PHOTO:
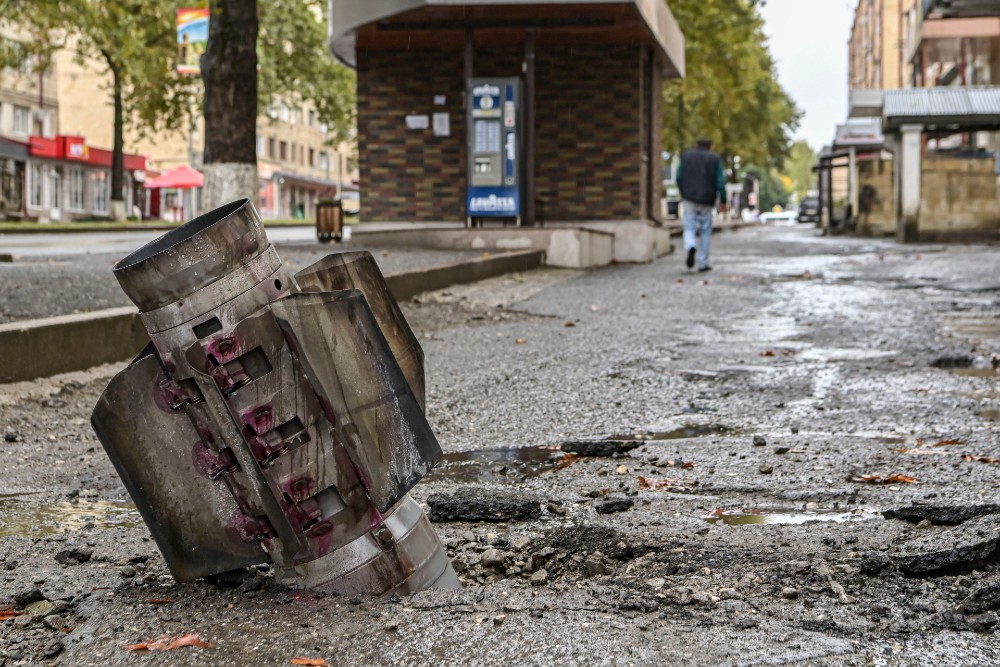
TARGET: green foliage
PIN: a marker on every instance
(772, 191)
(730, 93)
(798, 167)
(296, 65)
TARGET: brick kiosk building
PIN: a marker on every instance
(591, 74)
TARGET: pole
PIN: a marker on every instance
(529, 127)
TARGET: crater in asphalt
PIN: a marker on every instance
(744, 517)
(22, 518)
(509, 465)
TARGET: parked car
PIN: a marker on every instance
(777, 217)
(809, 210)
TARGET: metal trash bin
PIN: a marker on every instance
(329, 221)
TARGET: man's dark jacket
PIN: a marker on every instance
(700, 177)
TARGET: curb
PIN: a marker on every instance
(33, 349)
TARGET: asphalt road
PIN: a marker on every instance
(771, 396)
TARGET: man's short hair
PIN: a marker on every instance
(705, 144)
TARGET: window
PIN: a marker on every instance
(22, 119)
(36, 184)
(76, 192)
(312, 118)
(55, 188)
(99, 181)
(283, 112)
(283, 150)
(324, 160)
(260, 145)
(11, 185)
(270, 147)
(312, 157)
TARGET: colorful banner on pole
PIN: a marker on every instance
(192, 37)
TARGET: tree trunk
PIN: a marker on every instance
(117, 205)
(229, 71)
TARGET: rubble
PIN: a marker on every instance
(475, 505)
(964, 547)
(941, 515)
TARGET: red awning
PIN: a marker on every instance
(181, 177)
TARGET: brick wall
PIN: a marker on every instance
(589, 162)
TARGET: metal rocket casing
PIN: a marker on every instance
(271, 418)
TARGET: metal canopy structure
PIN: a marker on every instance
(441, 24)
(965, 108)
(860, 134)
(947, 9)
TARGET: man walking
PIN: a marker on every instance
(702, 181)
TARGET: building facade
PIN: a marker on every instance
(875, 49)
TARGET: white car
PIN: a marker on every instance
(787, 216)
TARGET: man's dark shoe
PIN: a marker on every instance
(690, 258)
(704, 268)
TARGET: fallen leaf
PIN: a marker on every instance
(165, 643)
(896, 478)
(787, 353)
(945, 443)
(767, 353)
(622, 470)
(687, 465)
(679, 280)
(310, 662)
(981, 459)
(569, 323)
(520, 341)
(904, 450)
(7, 612)
(703, 283)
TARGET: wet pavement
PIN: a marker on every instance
(71, 273)
(774, 409)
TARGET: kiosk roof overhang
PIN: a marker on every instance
(441, 24)
(962, 108)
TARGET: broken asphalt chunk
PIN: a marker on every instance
(600, 447)
(472, 504)
(963, 547)
(941, 515)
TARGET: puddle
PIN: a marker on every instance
(20, 518)
(684, 432)
(510, 465)
(745, 517)
(977, 372)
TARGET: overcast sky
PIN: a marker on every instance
(808, 39)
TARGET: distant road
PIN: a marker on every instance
(60, 245)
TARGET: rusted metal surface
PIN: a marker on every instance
(270, 420)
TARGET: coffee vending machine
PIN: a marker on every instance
(493, 122)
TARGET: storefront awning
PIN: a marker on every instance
(13, 150)
(966, 108)
(181, 178)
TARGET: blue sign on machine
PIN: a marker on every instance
(494, 148)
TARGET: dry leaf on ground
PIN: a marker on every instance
(945, 443)
(650, 484)
(981, 459)
(888, 479)
(310, 662)
(166, 643)
(7, 612)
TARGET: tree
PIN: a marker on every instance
(133, 39)
(730, 92)
(295, 66)
(136, 40)
(798, 167)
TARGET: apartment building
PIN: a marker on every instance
(876, 54)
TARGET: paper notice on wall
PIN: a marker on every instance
(417, 122)
(442, 125)
(439, 100)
